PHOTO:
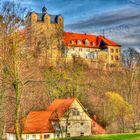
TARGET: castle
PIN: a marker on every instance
(88, 47)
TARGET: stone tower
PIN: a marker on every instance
(46, 33)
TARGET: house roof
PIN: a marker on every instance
(59, 107)
(97, 128)
(40, 121)
(94, 41)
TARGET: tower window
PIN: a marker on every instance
(117, 50)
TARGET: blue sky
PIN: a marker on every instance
(118, 20)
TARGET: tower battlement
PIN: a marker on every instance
(45, 17)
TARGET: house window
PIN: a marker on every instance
(112, 50)
(76, 113)
(27, 137)
(34, 137)
(68, 134)
(46, 136)
(82, 133)
(73, 49)
(82, 123)
(68, 124)
(58, 135)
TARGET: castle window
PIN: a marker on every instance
(34, 137)
(92, 43)
(27, 137)
(112, 57)
(117, 50)
(79, 42)
(71, 42)
(86, 42)
(73, 49)
(117, 58)
(88, 50)
(95, 55)
(80, 49)
(112, 50)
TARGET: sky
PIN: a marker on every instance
(118, 20)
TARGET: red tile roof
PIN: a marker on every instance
(97, 40)
(59, 107)
(97, 128)
(40, 122)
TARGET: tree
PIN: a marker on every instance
(11, 61)
(117, 109)
(131, 69)
(63, 81)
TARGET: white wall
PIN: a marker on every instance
(10, 136)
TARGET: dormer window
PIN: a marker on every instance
(86, 42)
(71, 42)
(92, 43)
(79, 42)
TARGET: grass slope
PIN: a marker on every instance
(106, 137)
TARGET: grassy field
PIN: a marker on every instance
(107, 137)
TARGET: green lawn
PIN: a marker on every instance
(107, 137)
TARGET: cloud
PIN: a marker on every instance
(121, 25)
(109, 18)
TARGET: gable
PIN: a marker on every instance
(76, 106)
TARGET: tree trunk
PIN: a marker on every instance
(17, 113)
